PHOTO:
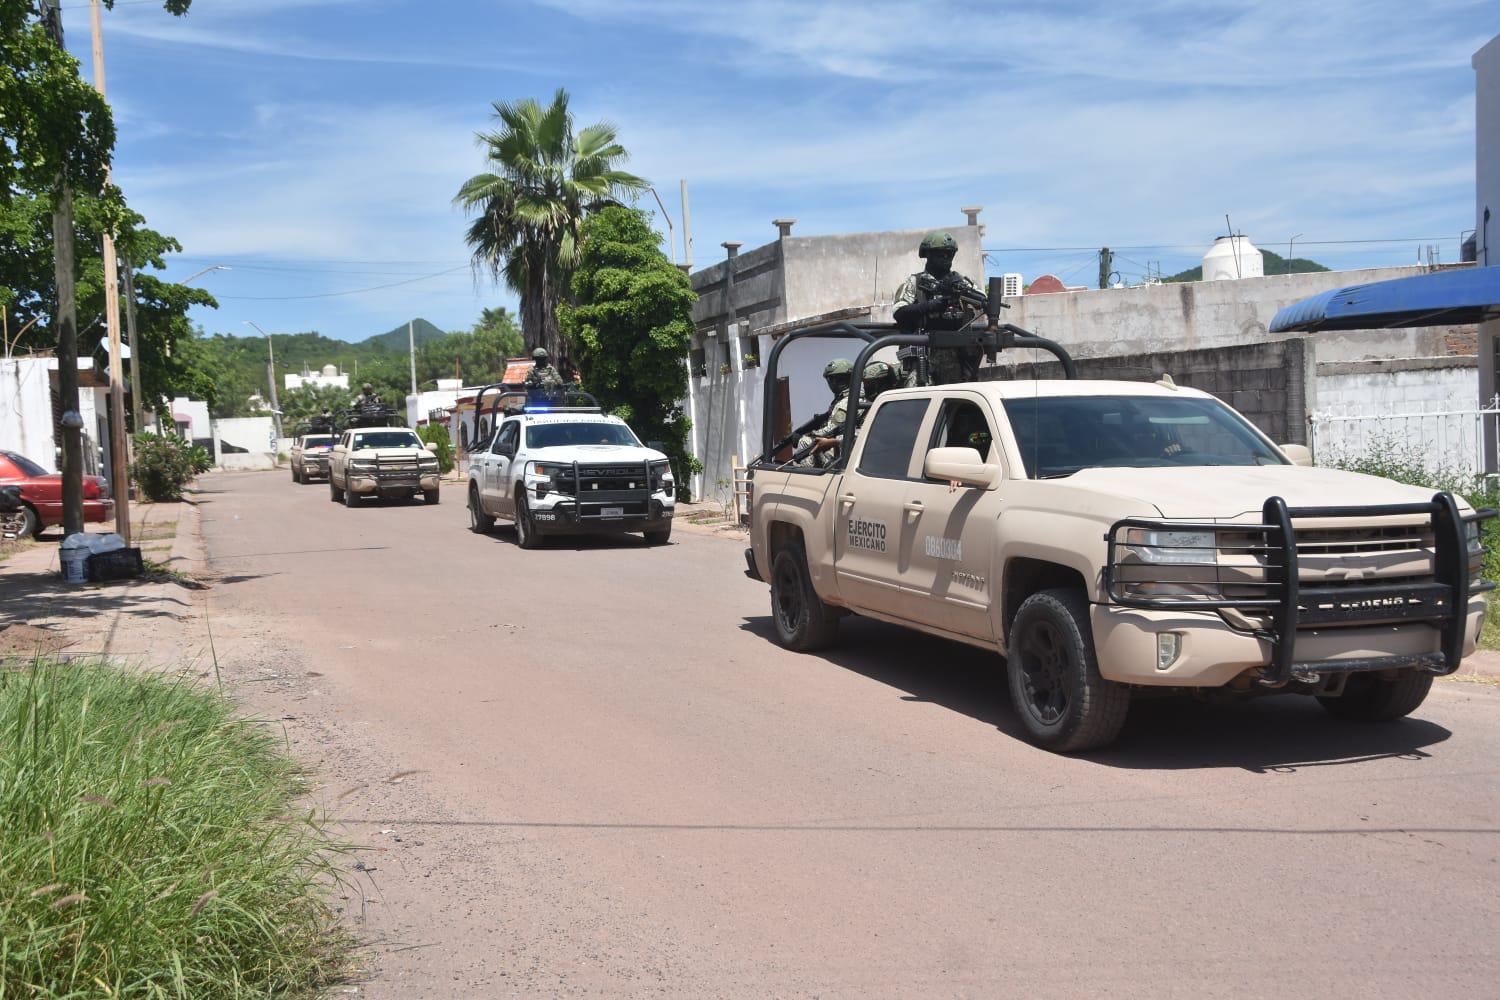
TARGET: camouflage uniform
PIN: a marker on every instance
(943, 366)
(544, 382)
(837, 373)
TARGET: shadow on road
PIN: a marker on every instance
(1276, 734)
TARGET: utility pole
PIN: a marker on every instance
(687, 233)
(118, 457)
(136, 401)
(1106, 265)
(270, 377)
(411, 350)
(67, 326)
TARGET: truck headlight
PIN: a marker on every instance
(1471, 532)
(1173, 547)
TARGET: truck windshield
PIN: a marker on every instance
(387, 439)
(1061, 435)
(317, 441)
(562, 435)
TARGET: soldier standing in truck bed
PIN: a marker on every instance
(543, 383)
(927, 301)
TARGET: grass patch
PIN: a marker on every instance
(152, 845)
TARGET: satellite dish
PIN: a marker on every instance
(124, 348)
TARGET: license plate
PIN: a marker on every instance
(612, 512)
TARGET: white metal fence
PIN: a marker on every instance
(1451, 442)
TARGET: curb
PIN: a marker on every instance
(1482, 663)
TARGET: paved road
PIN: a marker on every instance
(620, 784)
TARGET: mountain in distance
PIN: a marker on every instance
(1274, 264)
(395, 340)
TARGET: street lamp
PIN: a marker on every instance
(671, 233)
(211, 267)
(1291, 245)
(270, 376)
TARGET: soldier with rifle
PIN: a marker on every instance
(813, 446)
(937, 298)
(543, 383)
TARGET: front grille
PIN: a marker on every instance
(611, 480)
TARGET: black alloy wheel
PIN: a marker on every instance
(803, 622)
(1063, 702)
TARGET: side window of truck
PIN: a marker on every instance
(505, 441)
(962, 423)
(891, 437)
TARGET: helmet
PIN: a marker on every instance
(367, 388)
(539, 355)
(877, 371)
(837, 373)
(937, 241)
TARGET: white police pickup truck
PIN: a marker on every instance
(570, 470)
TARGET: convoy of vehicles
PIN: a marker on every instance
(554, 470)
(1112, 539)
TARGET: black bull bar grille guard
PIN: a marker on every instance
(1287, 603)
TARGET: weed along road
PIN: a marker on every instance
(589, 768)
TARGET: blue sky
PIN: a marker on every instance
(314, 146)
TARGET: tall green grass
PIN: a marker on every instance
(151, 845)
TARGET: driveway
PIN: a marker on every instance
(589, 769)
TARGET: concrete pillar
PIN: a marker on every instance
(783, 227)
(973, 213)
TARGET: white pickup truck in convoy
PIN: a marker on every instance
(556, 470)
(1113, 538)
(382, 462)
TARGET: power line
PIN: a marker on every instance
(329, 295)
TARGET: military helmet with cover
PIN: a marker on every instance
(837, 372)
(877, 372)
(939, 241)
(540, 355)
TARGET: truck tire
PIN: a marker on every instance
(351, 500)
(479, 522)
(296, 476)
(1063, 702)
(1368, 698)
(430, 497)
(334, 493)
(526, 533)
(803, 622)
(659, 537)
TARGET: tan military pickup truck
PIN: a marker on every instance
(382, 462)
(1110, 538)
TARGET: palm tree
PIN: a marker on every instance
(542, 182)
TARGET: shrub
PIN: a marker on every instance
(164, 464)
(437, 434)
(1392, 458)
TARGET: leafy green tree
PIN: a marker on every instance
(305, 402)
(542, 182)
(633, 325)
(28, 279)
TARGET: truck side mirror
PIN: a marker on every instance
(1298, 453)
(430, 446)
(963, 465)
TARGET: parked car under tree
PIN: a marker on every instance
(41, 492)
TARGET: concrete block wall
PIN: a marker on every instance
(1354, 389)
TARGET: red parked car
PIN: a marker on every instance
(42, 492)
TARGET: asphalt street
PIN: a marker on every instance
(590, 769)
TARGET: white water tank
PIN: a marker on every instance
(330, 370)
(1233, 257)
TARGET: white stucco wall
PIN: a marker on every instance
(256, 434)
(1382, 393)
(26, 410)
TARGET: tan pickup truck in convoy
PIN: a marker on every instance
(1110, 538)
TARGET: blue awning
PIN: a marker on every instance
(1440, 298)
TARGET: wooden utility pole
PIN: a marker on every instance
(136, 400)
(67, 328)
(119, 473)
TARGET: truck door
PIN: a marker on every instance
(951, 533)
(497, 462)
(869, 557)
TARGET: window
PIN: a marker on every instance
(25, 465)
(962, 423)
(579, 432)
(698, 361)
(891, 438)
(505, 441)
(386, 439)
(317, 441)
(1061, 435)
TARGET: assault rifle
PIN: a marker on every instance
(797, 456)
(952, 286)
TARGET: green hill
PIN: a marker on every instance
(395, 340)
(1275, 264)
